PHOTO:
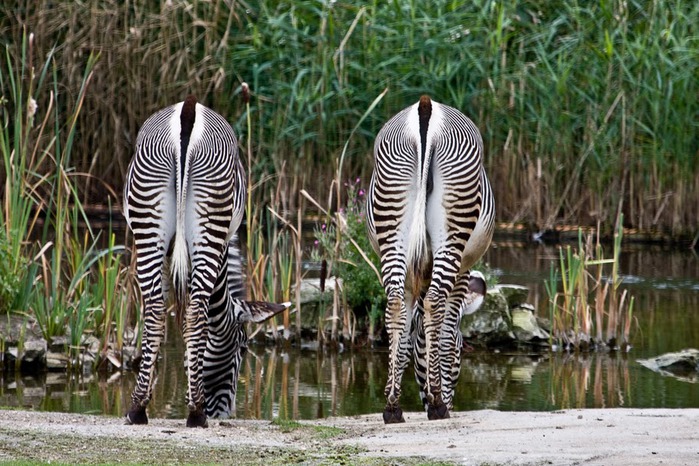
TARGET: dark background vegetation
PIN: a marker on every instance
(587, 109)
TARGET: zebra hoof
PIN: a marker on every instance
(137, 416)
(393, 415)
(197, 419)
(437, 411)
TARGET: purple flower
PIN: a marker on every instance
(361, 193)
(357, 180)
(315, 243)
(323, 227)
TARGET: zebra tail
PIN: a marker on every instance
(180, 252)
(417, 243)
(417, 236)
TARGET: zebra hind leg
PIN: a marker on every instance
(434, 316)
(450, 340)
(399, 347)
(195, 331)
(417, 333)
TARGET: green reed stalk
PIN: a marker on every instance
(598, 91)
(110, 295)
(574, 314)
(248, 208)
(551, 287)
(18, 79)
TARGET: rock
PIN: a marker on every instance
(33, 355)
(56, 361)
(92, 344)
(130, 358)
(87, 362)
(515, 295)
(114, 359)
(310, 289)
(130, 336)
(492, 323)
(526, 326)
(58, 344)
(11, 354)
(683, 365)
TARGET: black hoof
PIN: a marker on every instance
(137, 416)
(437, 411)
(393, 415)
(197, 419)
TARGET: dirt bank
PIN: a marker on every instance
(590, 437)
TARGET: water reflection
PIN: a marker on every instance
(598, 381)
(307, 385)
(304, 384)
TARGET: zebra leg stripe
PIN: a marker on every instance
(450, 340)
(430, 214)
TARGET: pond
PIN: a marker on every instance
(306, 384)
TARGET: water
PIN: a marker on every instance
(304, 384)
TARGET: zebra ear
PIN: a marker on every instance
(259, 311)
(476, 284)
(476, 296)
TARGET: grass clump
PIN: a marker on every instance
(10, 279)
(343, 245)
(591, 311)
(322, 432)
(50, 254)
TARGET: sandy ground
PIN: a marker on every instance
(573, 437)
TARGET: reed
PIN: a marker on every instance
(591, 310)
(586, 109)
(49, 248)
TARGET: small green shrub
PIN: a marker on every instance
(10, 282)
(360, 283)
(362, 288)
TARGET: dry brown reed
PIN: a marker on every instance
(583, 114)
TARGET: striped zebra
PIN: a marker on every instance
(227, 339)
(183, 200)
(450, 339)
(430, 215)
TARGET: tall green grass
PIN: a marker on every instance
(591, 310)
(587, 109)
(64, 278)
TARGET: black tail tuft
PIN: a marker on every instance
(187, 115)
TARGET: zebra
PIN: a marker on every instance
(450, 339)
(227, 338)
(430, 216)
(184, 200)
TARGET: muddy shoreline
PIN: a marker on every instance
(590, 437)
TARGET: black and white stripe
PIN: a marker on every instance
(184, 199)
(462, 301)
(227, 342)
(430, 217)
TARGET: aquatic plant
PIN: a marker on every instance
(50, 251)
(591, 310)
(344, 246)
